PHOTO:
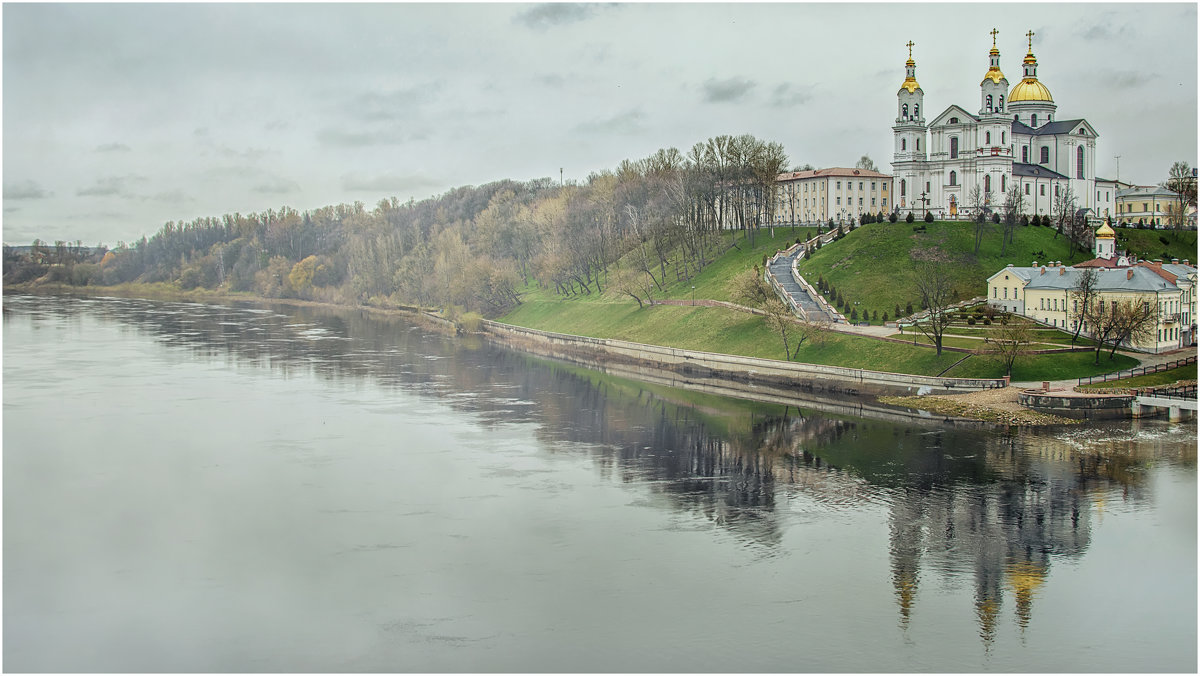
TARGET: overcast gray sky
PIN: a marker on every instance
(118, 118)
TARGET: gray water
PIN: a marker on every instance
(201, 488)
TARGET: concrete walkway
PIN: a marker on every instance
(782, 270)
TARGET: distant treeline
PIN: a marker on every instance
(473, 248)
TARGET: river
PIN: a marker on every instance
(247, 488)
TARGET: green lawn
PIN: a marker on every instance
(876, 264)
(1161, 378)
(1044, 366)
(1148, 244)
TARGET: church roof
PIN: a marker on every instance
(1147, 191)
(1059, 127)
(1034, 171)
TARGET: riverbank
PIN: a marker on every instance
(997, 405)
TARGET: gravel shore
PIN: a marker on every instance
(996, 405)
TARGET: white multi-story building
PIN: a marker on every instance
(1013, 139)
(838, 193)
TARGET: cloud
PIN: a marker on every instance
(276, 186)
(25, 190)
(726, 91)
(113, 148)
(389, 183)
(629, 122)
(11, 210)
(1125, 79)
(1106, 32)
(787, 96)
(173, 197)
(393, 105)
(354, 138)
(548, 15)
(110, 186)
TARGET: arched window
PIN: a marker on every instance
(917, 111)
(987, 183)
(987, 138)
(953, 178)
(1003, 138)
(953, 147)
(1003, 183)
(988, 105)
(903, 144)
(1025, 154)
(1079, 162)
(1033, 120)
(1001, 106)
(903, 187)
(904, 111)
(1045, 154)
(954, 120)
(918, 144)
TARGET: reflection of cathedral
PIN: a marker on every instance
(963, 161)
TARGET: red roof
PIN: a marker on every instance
(1098, 263)
(841, 172)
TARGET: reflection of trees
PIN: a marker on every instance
(1001, 506)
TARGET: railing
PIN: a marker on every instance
(1185, 392)
(1140, 371)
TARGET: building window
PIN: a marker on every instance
(918, 144)
(903, 144)
(1057, 189)
(860, 201)
(860, 184)
(1002, 134)
(1026, 188)
(987, 136)
(953, 147)
(988, 106)
(839, 185)
(1025, 154)
(872, 201)
(872, 185)
(1079, 162)
(953, 178)
(917, 110)
(987, 183)
(1033, 120)
(1006, 293)
(1003, 183)
(1043, 189)
(1045, 154)
(904, 111)
(839, 201)
(885, 202)
(927, 187)
(903, 187)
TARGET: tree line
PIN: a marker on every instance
(473, 247)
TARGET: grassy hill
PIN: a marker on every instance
(1164, 244)
(875, 264)
(715, 329)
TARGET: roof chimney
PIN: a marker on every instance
(1043, 269)
(1061, 270)
(1174, 261)
(1185, 261)
(1035, 264)
(1129, 274)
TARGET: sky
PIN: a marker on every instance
(120, 117)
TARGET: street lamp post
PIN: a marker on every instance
(693, 296)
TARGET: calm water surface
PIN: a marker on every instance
(204, 488)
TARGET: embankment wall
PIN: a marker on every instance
(748, 370)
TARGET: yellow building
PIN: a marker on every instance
(1046, 293)
(1147, 205)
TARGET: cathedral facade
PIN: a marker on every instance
(963, 162)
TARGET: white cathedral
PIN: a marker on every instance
(1014, 139)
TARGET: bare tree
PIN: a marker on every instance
(637, 283)
(865, 162)
(1133, 322)
(933, 283)
(1008, 342)
(1014, 205)
(1181, 182)
(978, 203)
(1083, 295)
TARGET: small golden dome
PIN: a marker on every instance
(995, 75)
(1106, 232)
(1030, 89)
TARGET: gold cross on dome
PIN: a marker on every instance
(1030, 35)
(994, 32)
(910, 46)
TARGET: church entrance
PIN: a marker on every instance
(953, 207)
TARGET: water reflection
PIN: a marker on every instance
(996, 508)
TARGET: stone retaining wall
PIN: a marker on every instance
(749, 370)
(1099, 407)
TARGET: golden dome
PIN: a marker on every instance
(910, 82)
(1106, 232)
(995, 75)
(1030, 89)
